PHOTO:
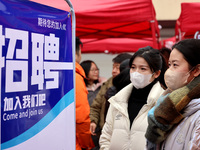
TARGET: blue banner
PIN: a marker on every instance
(36, 69)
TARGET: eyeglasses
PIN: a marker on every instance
(94, 70)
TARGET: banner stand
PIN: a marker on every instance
(73, 50)
(37, 71)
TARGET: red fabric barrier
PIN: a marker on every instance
(113, 25)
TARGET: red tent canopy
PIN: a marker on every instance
(189, 21)
(113, 25)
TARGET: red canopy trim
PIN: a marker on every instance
(113, 25)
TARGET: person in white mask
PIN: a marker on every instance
(174, 122)
(126, 120)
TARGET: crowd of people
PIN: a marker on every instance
(151, 102)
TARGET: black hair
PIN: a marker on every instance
(86, 65)
(190, 48)
(121, 57)
(78, 43)
(124, 64)
(122, 79)
(154, 59)
(165, 52)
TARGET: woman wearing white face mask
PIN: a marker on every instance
(126, 120)
(174, 123)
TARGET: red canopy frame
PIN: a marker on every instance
(188, 24)
(113, 26)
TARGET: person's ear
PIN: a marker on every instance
(157, 74)
(197, 70)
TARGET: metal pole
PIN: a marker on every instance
(73, 52)
(73, 28)
(155, 44)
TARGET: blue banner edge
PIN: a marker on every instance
(65, 101)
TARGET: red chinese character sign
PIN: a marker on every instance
(36, 69)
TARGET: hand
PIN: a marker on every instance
(93, 127)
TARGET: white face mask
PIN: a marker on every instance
(139, 80)
(175, 80)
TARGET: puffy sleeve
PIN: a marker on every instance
(107, 130)
(95, 108)
(194, 143)
(83, 134)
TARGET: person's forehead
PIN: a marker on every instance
(139, 61)
(176, 56)
(93, 65)
(116, 64)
